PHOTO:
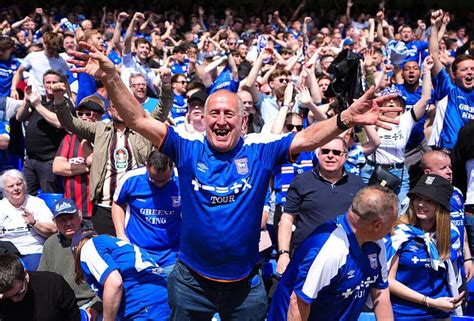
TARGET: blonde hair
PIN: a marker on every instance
(442, 227)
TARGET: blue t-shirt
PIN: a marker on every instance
(144, 284)
(153, 215)
(180, 68)
(414, 270)
(224, 81)
(284, 174)
(223, 196)
(86, 86)
(331, 272)
(179, 109)
(453, 112)
(7, 71)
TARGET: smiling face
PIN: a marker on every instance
(223, 119)
(425, 209)
(143, 50)
(329, 162)
(464, 74)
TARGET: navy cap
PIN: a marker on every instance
(65, 206)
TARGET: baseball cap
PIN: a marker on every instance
(200, 95)
(64, 206)
(435, 188)
(79, 236)
(394, 90)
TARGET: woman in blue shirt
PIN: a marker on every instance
(420, 251)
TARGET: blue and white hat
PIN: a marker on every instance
(65, 206)
(394, 90)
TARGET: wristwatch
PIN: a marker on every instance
(283, 252)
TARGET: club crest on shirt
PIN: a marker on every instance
(176, 201)
(242, 165)
(373, 261)
(121, 158)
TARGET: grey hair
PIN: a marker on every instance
(240, 103)
(135, 75)
(13, 173)
(374, 202)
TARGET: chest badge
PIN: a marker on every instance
(242, 165)
(373, 261)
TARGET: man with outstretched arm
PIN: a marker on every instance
(224, 178)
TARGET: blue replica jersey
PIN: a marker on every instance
(180, 68)
(355, 159)
(179, 109)
(417, 133)
(224, 195)
(114, 57)
(224, 81)
(453, 112)
(414, 49)
(284, 174)
(414, 270)
(144, 285)
(7, 70)
(153, 214)
(86, 86)
(331, 272)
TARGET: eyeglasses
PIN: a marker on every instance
(85, 113)
(290, 127)
(335, 152)
(283, 80)
(182, 82)
(19, 293)
(232, 43)
(138, 85)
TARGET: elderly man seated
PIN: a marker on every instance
(25, 220)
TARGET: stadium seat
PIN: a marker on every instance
(50, 199)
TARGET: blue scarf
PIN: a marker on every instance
(404, 233)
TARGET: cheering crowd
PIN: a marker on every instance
(189, 154)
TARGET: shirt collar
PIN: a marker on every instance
(354, 246)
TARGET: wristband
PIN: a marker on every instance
(34, 222)
(281, 252)
(469, 259)
(340, 124)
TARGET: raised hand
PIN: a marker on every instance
(304, 96)
(436, 18)
(428, 63)
(367, 111)
(94, 63)
(368, 57)
(380, 16)
(59, 89)
(121, 17)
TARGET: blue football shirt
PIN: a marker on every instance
(144, 285)
(330, 271)
(153, 214)
(223, 196)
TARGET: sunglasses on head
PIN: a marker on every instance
(335, 152)
(290, 127)
(85, 113)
